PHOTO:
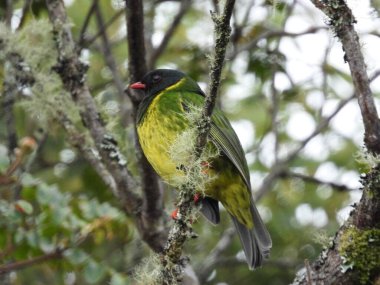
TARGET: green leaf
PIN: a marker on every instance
(46, 245)
(93, 271)
(28, 180)
(32, 239)
(118, 279)
(24, 207)
(76, 256)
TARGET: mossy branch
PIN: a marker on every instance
(171, 261)
(353, 256)
(72, 73)
(342, 20)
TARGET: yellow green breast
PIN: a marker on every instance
(158, 130)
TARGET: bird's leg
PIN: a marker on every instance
(174, 214)
(205, 167)
(197, 198)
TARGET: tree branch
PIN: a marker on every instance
(281, 165)
(33, 261)
(136, 47)
(82, 34)
(271, 34)
(126, 108)
(86, 42)
(152, 209)
(172, 263)
(342, 20)
(353, 257)
(222, 34)
(311, 179)
(185, 5)
(213, 258)
(72, 72)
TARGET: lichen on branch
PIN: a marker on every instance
(171, 261)
(342, 20)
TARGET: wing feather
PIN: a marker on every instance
(221, 134)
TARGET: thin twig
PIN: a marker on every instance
(88, 42)
(215, 255)
(308, 272)
(222, 33)
(271, 34)
(126, 108)
(25, 12)
(185, 5)
(311, 179)
(58, 253)
(82, 34)
(279, 168)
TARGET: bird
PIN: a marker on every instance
(161, 118)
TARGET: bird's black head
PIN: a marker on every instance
(158, 80)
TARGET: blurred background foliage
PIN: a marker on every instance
(284, 77)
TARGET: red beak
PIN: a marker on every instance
(137, 85)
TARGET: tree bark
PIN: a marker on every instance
(354, 255)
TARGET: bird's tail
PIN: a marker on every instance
(256, 242)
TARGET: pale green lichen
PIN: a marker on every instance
(321, 237)
(149, 271)
(34, 44)
(193, 169)
(360, 250)
(366, 160)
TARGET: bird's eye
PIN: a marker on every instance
(156, 78)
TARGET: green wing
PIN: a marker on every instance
(222, 135)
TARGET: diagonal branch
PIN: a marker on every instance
(125, 108)
(353, 257)
(342, 20)
(281, 165)
(82, 34)
(185, 5)
(72, 73)
(171, 261)
(86, 42)
(222, 33)
(58, 253)
(314, 180)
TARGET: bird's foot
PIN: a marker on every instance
(174, 214)
(197, 197)
(205, 167)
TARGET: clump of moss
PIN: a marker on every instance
(36, 54)
(182, 152)
(366, 160)
(149, 271)
(360, 250)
